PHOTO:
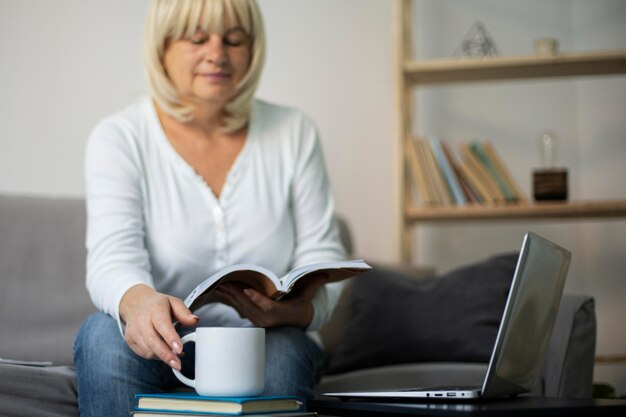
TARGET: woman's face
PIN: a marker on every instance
(207, 67)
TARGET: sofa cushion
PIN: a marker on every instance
(451, 318)
(37, 391)
(568, 369)
(42, 277)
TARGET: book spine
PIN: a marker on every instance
(477, 185)
(416, 169)
(470, 194)
(423, 163)
(484, 159)
(443, 194)
(488, 183)
(499, 164)
(447, 171)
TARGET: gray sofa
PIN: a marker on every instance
(43, 301)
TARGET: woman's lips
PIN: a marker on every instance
(215, 75)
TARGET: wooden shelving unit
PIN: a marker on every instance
(414, 73)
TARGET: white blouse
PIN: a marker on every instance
(153, 220)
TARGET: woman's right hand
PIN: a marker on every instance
(148, 315)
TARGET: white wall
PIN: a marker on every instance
(333, 59)
(65, 64)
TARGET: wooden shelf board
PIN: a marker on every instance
(610, 359)
(547, 210)
(520, 67)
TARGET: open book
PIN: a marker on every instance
(267, 283)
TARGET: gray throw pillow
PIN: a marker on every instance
(451, 318)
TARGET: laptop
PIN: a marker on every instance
(523, 336)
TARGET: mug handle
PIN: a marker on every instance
(191, 337)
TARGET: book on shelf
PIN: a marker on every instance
(444, 197)
(425, 160)
(417, 171)
(471, 196)
(445, 168)
(475, 184)
(482, 175)
(190, 402)
(479, 176)
(490, 168)
(434, 197)
(501, 167)
(429, 166)
(268, 283)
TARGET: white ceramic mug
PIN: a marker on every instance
(230, 361)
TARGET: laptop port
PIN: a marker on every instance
(438, 395)
(450, 394)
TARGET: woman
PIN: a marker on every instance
(195, 178)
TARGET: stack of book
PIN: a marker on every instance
(192, 404)
(476, 176)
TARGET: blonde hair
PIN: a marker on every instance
(176, 19)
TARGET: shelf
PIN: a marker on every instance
(520, 67)
(610, 359)
(539, 211)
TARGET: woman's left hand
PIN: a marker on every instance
(295, 310)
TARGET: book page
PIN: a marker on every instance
(334, 271)
(248, 276)
(256, 280)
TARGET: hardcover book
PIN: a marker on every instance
(139, 413)
(444, 196)
(190, 402)
(491, 169)
(447, 172)
(417, 169)
(482, 175)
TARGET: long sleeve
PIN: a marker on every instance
(317, 234)
(117, 258)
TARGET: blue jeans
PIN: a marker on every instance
(109, 373)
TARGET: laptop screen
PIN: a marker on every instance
(528, 317)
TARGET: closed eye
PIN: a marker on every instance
(199, 38)
(232, 37)
(235, 37)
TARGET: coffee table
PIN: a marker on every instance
(509, 407)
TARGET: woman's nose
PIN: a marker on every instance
(216, 52)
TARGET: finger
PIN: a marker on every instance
(259, 300)
(163, 325)
(236, 299)
(182, 313)
(266, 312)
(161, 350)
(134, 340)
(225, 296)
(140, 348)
(160, 336)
